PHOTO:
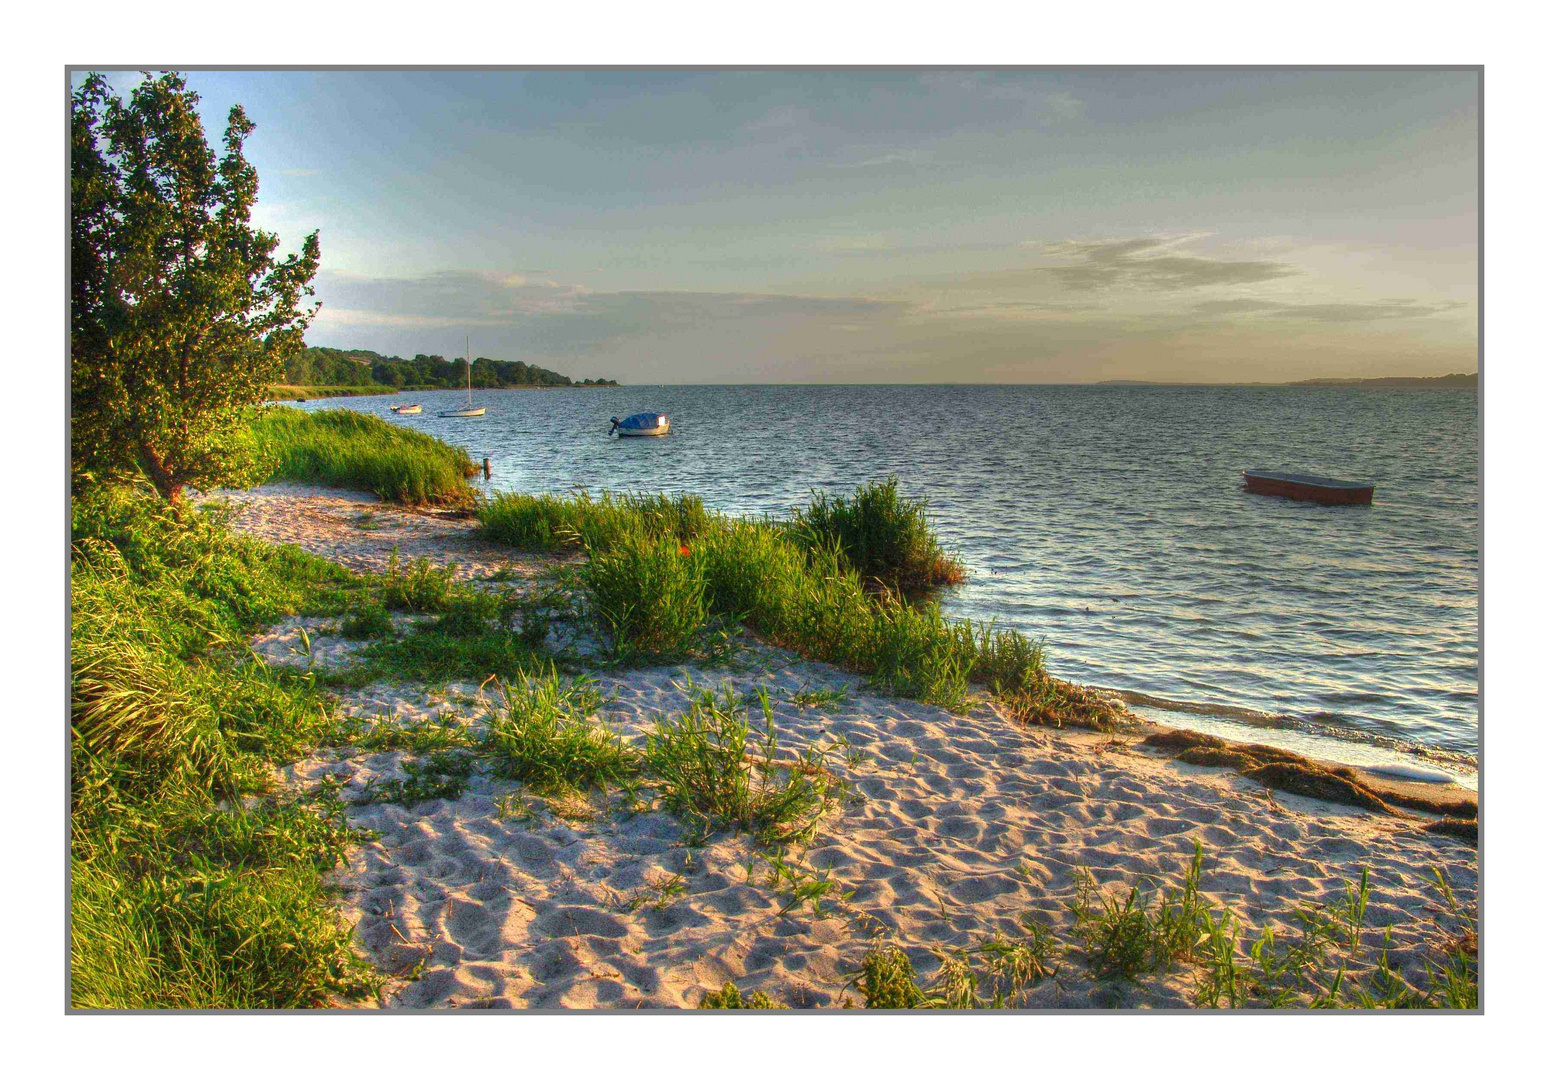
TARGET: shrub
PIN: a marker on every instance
(884, 537)
(729, 997)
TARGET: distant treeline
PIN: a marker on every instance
(1457, 379)
(319, 366)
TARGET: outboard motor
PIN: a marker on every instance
(615, 426)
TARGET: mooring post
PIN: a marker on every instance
(486, 468)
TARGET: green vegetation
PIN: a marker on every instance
(729, 997)
(700, 765)
(1134, 936)
(180, 314)
(882, 537)
(665, 577)
(649, 600)
(552, 522)
(193, 885)
(346, 449)
(544, 738)
(1326, 960)
(992, 974)
(357, 368)
(311, 393)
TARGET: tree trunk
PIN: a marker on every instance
(167, 485)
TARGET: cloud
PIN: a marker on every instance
(557, 317)
(1394, 308)
(1140, 263)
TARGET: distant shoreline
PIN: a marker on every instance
(1455, 381)
(280, 392)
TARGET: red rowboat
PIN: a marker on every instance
(1309, 488)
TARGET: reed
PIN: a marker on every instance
(648, 598)
(342, 448)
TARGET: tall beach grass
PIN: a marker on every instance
(663, 572)
(193, 884)
(342, 448)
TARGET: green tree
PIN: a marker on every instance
(180, 313)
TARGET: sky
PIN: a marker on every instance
(882, 225)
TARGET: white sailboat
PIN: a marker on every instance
(470, 410)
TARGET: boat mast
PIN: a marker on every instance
(468, 351)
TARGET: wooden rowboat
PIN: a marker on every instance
(407, 410)
(1308, 488)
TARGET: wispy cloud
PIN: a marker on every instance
(1144, 263)
(1358, 312)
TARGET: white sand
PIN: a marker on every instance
(961, 825)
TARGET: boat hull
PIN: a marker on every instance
(464, 412)
(1319, 489)
(407, 410)
(645, 433)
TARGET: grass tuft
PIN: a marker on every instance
(881, 535)
(543, 736)
(701, 765)
(347, 449)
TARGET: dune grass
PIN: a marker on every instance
(553, 522)
(665, 577)
(542, 736)
(346, 449)
(881, 535)
(700, 764)
(192, 884)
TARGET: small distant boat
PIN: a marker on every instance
(470, 410)
(645, 423)
(408, 410)
(1308, 488)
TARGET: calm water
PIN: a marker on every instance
(1111, 522)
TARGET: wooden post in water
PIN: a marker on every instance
(486, 468)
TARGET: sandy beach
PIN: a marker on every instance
(953, 828)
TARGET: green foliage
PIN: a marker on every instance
(544, 736)
(347, 449)
(549, 522)
(882, 536)
(1143, 932)
(729, 997)
(440, 774)
(993, 974)
(184, 892)
(1321, 960)
(700, 764)
(887, 980)
(419, 587)
(180, 314)
(664, 573)
(355, 368)
(648, 597)
(368, 620)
